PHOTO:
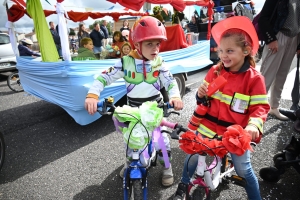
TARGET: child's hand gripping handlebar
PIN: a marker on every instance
(107, 103)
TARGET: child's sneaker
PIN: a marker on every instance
(180, 192)
(167, 177)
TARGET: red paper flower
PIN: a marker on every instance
(191, 144)
(236, 140)
(187, 142)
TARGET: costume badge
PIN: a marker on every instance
(239, 105)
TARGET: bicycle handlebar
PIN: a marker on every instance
(108, 103)
(177, 129)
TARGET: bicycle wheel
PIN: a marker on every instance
(137, 189)
(14, 83)
(2, 150)
(200, 194)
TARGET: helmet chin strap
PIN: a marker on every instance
(144, 59)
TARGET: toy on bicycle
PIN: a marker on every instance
(289, 157)
(141, 128)
(208, 177)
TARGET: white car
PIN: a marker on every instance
(7, 57)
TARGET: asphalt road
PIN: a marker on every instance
(50, 156)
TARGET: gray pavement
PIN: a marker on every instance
(50, 156)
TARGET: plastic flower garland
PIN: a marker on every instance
(235, 140)
(148, 116)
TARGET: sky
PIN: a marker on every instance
(25, 24)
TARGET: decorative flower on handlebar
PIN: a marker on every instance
(235, 140)
(141, 123)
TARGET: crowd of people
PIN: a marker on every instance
(96, 42)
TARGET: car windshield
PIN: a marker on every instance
(4, 39)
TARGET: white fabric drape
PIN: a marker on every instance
(63, 31)
(13, 40)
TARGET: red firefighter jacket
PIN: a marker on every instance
(243, 100)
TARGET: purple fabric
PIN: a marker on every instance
(130, 87)
(118, 124)
(156, 85)
(157, 137)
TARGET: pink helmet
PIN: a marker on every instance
(148, 28)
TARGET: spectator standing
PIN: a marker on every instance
(192, 26)
(125, 26)
(73, 44)
(105, 31)
(82, 33)
(282, 38)
(97, 36)
(56, 38)
(125, 30)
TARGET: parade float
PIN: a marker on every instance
(66, 83)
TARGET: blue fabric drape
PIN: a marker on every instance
(66, 83)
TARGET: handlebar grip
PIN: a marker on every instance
(100, 104)
(169, 105)
(168, 124)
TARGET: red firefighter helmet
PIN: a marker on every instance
(148, 28)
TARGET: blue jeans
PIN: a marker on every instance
(97, 49)
(59, 51)
(242, 167)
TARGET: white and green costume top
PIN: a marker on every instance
(142, 80)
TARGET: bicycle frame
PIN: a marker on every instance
(137, 169)
(205, 176)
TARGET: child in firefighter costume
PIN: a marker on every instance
(144, 73)
(242, 100)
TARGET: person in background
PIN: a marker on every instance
(125, 26)
(86, 51)
(25, 48)
(82, 33)
(126, 48)
(282, 38)
(56, 38)
(97, 36)
(117, 44)
(73, 44)
(105, 31)
(192, 26)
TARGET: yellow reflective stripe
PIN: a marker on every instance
(204, 81)
(217, 95)
(258, 122)
(259, 99)
(226, 99)
(242, 97)
(254, 100)
(222, 97)
(206, 131)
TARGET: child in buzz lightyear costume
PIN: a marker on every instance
(144, 73)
